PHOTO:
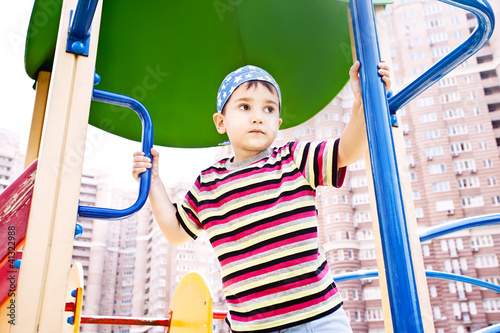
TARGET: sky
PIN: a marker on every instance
(103, 151)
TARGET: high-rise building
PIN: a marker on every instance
(11, 158)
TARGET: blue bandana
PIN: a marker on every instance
(241, 75)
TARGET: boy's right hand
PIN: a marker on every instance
(142, 163)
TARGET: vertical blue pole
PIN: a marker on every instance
(403, 297)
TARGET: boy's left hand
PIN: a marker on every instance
(383, 71)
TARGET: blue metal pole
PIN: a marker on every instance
(79, 28)
(147, 144)
(82, 20)
(403, 297)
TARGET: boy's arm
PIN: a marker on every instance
(165, 215)
(163, 209)
(353, 141)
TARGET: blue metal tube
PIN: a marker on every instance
(461, 278)
(82, 19)
(403, 297)
(490, 329)
(147, 144)
(453, 226)
(479, 37)
(371, 274)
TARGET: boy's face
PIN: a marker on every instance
(251, 120)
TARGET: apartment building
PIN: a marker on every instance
(11, 158)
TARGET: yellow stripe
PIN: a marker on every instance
(329, 164)
(188, 222)
(239, 245)
(269, 258)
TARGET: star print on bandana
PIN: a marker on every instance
(240, 76)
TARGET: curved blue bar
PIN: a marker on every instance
(450, 227)
(490, 329)
(403, 296)
(82, 19)
(479, 37)
(462, 278)
(430, 274)
(147, 144)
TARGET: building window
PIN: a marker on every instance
(419, 212)
(491, 181)
(491, 305)
(425, 250)
(374, 314)
(457, 130)
(488, 260)
(469, 182)
(441, 187)
(437, 168)
(431, 134)
(433, 291)
(472, 201)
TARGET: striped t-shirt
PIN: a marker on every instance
(261, 218)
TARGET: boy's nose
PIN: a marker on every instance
(256, 118)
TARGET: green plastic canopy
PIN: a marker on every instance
(173, 55)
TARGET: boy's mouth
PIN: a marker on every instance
(256, 131)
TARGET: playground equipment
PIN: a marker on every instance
(303, 44)
(191, 308)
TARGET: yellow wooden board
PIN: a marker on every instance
(75, 282)
(191, 306)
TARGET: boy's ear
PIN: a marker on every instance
(280, 122)
(219, 123)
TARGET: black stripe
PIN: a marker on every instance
(316, 165)
(335, 170)
(256, 204)
(255, 185)
(269, 263)
(181, 222)
(271, 219)
(283, 282)
(292, 302)
(302, 167)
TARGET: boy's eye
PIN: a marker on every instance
(244, 107)
(269, 109)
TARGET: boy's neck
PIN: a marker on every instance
(234, 163)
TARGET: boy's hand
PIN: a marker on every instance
(142, 163)
(383, 71)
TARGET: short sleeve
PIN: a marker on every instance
(187, 212)
(317, 161)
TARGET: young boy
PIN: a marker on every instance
(259, 211)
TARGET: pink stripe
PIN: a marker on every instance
(286, 310)
(272, 246)
(320, 162)
(260, 227)
(257, 209)
(281, 288)
(266, 270)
